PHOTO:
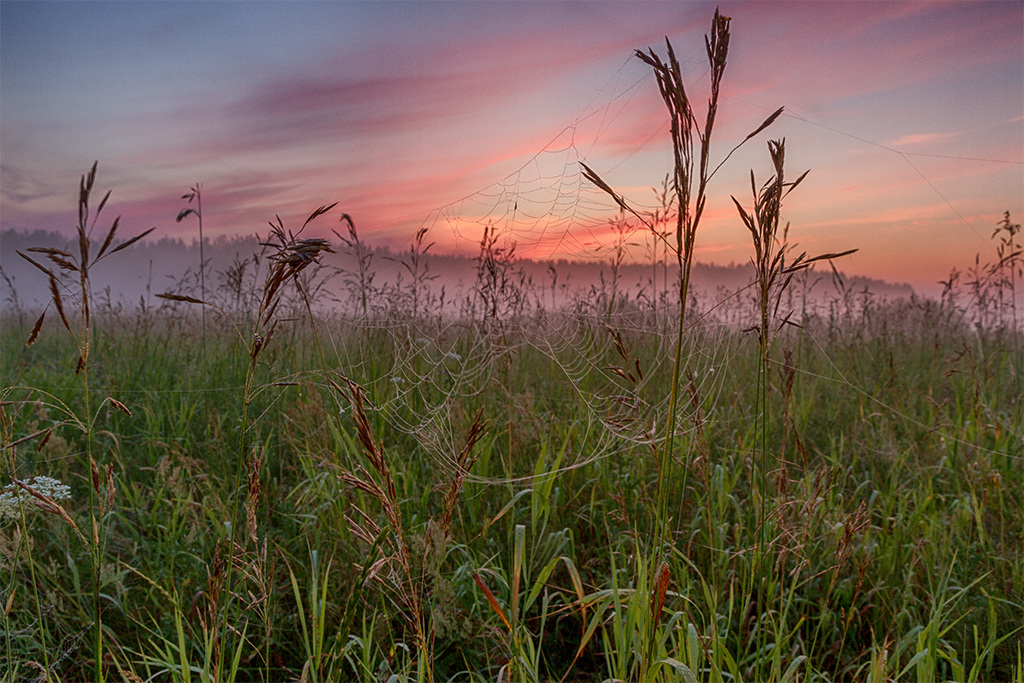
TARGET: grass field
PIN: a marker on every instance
(252, 522)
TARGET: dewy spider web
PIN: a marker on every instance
(440, 371)
(545, 207)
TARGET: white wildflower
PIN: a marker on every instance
(10, 495)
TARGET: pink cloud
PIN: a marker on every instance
(827, 53)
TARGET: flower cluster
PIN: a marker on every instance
(13, 496)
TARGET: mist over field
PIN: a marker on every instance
(158, 265)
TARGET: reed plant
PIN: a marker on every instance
(289, 260)
(409, 579)
(774, 269)
(195, 193)
(692, 172)
(1009, 267)
(360, 281)
(101, 492)
(412, 298)
(498, 284)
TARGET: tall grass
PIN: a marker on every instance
(904, 491)
(691, 174)
(101, 492)
(774, 269)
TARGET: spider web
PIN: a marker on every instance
(545, 207)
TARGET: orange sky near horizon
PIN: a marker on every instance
(910, 117)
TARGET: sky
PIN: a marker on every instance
(452, 116)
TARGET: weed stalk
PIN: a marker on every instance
(81, 265)
(691, 147)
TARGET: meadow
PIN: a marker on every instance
(246, 483)
(491, 493)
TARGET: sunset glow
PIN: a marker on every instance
(910, 117)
